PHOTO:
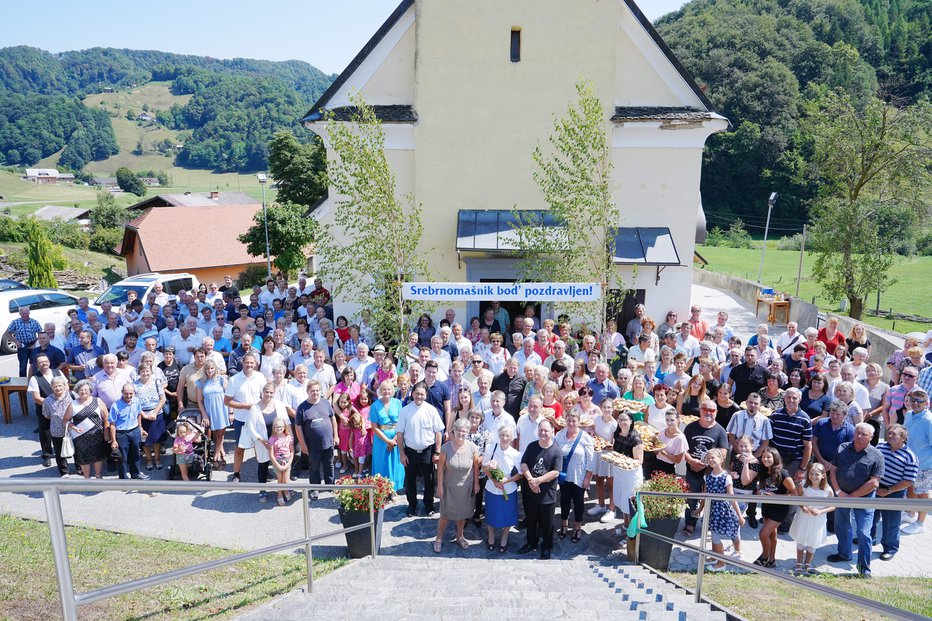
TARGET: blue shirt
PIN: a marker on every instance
(600, 392)
(919, 427)
(789, 433)
(26, 332)
(80, 356)
(829, 439)
(900, 465)
(125, 416)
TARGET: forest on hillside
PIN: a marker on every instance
(236, 108)
(765, 63)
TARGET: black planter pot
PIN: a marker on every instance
(359, 542)
(654, 552)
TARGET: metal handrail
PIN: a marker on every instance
(52, 488)
(895, 504)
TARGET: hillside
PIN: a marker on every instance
(223, 112)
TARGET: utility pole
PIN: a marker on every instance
(770, 203)
(802, 253)
(262, 177)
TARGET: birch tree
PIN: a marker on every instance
(574, 174)
(374, 243)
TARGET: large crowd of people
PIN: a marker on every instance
(498, 418)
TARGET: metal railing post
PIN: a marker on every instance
(372, 520)
(700, 570)
(69, 607)
(308, 552)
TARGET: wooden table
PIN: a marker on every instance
(16, 384)
(774, 305)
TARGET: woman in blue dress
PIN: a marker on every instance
(386, 454)
(210, 390)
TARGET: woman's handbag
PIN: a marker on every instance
(67, 447)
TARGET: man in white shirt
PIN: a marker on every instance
(475, 371)
(185, 344)
(418, 433)
(526, 428)
(440, 355)
(168, 333)
(243, 391)
(559, 353)
(268, 294)
(789, 339)
(305, 356)
(642, 352)
(849, 374)
(686, 340)
(496, 417)
(111, 337)
(525, 356)
(361, 361)
(322, 372)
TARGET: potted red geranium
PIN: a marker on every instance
(353, 505)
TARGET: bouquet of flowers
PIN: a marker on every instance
(496, 474)
(658, 507)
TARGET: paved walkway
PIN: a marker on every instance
(239, 521)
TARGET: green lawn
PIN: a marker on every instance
(98, 558)
(82, 261)
(780, 268)
(761, 598)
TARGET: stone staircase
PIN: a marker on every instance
(431, 588)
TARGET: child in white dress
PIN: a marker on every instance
(808, 529)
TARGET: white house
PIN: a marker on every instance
(466, 90)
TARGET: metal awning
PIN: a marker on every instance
(492, 230)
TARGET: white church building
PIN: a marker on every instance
(466, 89)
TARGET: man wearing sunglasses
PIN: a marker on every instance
(701, 435)
(895, 405)
(918, 423)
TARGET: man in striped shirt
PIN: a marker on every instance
(900, 468)
(792, 437)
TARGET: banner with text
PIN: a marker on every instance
(503, 291)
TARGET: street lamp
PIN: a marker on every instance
(770, 203)
(263, 178)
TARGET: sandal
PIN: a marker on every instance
(477, 521)
(463, 544)
(503, 548)
(577, 535)
(562, 533)
(760, 561)
(688, 531)
(437, 546)
(491, 547)
(771, 563)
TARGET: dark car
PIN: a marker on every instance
(9, 285)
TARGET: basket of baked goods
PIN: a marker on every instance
(550, 414)
(601, 444)
(629, 405)
(763, 409)
(621, 461)
(686, 419)
(650, 437)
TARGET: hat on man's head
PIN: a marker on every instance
(378, 348)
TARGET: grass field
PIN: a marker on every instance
(760, 598)
(780, 267)
(82, 261)
(98, 558)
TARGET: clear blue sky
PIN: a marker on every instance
(325, 33)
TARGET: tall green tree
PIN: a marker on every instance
(130, 182)
(108, 214)
(290, 236)
(39, 251)
(300, 170)
(870, 160)
(374, 243)
(574, 174)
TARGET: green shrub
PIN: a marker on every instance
(716, 237)
(106, 239)
(12, 230)
(924, 244)
(737, 236)
(68, 234)
(794, 242)
(255, 274)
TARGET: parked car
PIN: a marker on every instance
(45, 305)
(142, 284)
(9, 285)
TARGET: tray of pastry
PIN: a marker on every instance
(621, 461)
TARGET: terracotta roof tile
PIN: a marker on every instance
(195, 237)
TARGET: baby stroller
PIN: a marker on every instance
(201, 466)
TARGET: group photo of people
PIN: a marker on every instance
(497, 422)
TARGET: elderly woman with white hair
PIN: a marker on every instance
(501, 498)
(844, 392)
(87, 427)
(56, 408)
(457, 483)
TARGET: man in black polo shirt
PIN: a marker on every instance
(858, 468)
(701, 435)
(748, 377)
(512, 384)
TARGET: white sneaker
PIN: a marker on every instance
(736, 555)
(913, 529)
(596, 510)
(608, 517)
(907, 518)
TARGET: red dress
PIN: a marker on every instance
(830, 345)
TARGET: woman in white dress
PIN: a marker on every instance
(605, 427)
(627, 442)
